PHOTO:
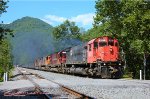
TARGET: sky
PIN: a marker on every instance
(53, 12)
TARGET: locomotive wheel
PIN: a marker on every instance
(63, 68)
(105, 72)
(90, 72)
(49, 68)
(59, 69)
(63, 71)
(118, 75)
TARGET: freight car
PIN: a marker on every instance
(98, 57)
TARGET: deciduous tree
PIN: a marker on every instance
(5, 49)
(66, 29)
(3, 31)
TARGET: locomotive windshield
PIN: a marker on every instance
(102, 42)
(110, 42)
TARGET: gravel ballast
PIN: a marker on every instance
(101, 88)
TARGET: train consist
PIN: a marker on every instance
(98, 57)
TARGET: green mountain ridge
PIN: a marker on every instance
(28, 23)
(33, 39)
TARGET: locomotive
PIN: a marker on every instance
(98, 57)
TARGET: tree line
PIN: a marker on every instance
(5, 47)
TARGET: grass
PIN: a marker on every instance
(10, 73)
(127, 76)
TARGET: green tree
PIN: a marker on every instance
(5, 50)
(4, 31)
(5, 57)
(66, 29)
(3, 6)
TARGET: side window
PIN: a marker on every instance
(89, 47)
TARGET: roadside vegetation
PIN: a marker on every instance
(5, 47)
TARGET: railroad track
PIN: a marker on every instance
(68, 90)
(37, 89)
(65, 89)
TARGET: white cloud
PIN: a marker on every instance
(83, 20)
(6, 22)
(47, 21)
(55, 18)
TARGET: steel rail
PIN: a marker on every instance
(37, 87)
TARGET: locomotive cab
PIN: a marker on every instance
(104, 49)
(62, 57)
(108, 49)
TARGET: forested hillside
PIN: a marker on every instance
(32, 38)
